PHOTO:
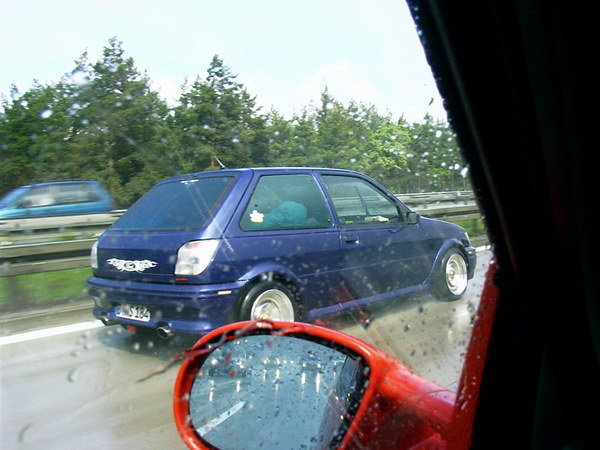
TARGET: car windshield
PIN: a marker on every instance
(376, 233)
(9, 198)
(175, 205)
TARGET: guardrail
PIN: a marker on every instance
(19, 258)
(55, 228)
(44, 257)
(436, 198)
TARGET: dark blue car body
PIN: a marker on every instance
(339, 258)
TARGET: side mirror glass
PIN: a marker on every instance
(275, 391)
(412, 217)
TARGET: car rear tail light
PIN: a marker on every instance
(195, 256)
(94, 256)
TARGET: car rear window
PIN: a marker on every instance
(176, 205)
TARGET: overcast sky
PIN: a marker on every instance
(284, 51)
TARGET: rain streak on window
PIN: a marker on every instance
(89, 357)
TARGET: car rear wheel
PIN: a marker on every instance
(452, 278)
(270, 300)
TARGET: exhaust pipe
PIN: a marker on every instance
(105, 320)
(164, 332)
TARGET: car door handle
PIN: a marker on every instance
(351, 238)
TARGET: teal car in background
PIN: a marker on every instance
(56, 198)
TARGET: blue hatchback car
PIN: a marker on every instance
(202, 250)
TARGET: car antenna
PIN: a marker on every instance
(220, 163)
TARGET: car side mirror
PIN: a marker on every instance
(293, 385)
(412, 217)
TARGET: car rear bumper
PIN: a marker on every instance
(181, 309)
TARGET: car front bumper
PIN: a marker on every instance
(471, 261)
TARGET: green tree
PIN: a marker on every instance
(122, 135)
(280, 144)
(436, 162)
(217, 117)
(102, 121)
(35, 136)
(385, 158)
(336, 140)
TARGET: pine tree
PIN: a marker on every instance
(122, 133)
(436, 162)
(217, 117)
(35, 136)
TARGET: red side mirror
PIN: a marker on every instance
(268, 385)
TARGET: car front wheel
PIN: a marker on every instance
(269, 300)
(452, 278)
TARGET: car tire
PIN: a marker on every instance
(270, 300)
(451, 280)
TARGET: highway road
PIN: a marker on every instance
(76, 384)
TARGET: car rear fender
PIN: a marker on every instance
(267, 272)
(271, 272)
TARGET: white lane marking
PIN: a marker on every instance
(49, 332)
(220, 419)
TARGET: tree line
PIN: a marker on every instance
(103, 121)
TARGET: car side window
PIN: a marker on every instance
(89, 194)
(357, 202)
(75, 193)
(69, 193)
(286, 202)
(37, 196)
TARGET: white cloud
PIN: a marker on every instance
(344, 80)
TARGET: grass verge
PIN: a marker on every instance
(43, 289)
(473, 227)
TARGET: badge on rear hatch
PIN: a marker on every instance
(131, 266)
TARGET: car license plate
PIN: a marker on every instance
(134, 312)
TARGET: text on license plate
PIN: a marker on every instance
(135, 312)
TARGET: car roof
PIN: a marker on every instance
(48, 183)
(262, 170)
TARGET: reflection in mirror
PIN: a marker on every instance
(265, 391)
(412, 217)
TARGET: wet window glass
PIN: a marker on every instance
(271, 385)
(129, 94)
(36, 196)
(358, 202)
(183, 204)
(74, 193)
(285, 201)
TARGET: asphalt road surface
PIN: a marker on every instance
(82, 385)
